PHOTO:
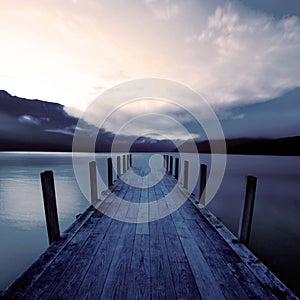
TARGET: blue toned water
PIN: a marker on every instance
(23, 235)
(275, 237)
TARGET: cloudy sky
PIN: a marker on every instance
(231, 52)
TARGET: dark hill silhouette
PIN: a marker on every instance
(35, 125)
(280, 146)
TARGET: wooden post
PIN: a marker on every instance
(93, 181)
(124, 164)
(130, 160)
(186, 174)
(167, 162)
(109, 172)
(176, 167)
(48, 188)
(203, 176)
(171, 165)
(247, 211)
(118, 166)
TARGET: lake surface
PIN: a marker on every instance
(275, 236)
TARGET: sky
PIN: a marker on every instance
(231, 52)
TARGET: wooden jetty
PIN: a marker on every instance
(189, 254)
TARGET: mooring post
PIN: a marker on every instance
(93, 181)
(109, 172)
(247, 211)
(176, 168)
(186, 174)
(167, 162)
(171, 165)
(118, 166)
(128, 162)
(48, 188)
(203, 176)
(124, 164)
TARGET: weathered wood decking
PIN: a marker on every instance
(186, 255)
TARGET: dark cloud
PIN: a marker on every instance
(276, 8)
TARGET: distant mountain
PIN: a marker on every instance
(276, 118)
(282, 146)
(35, 125)
(266, 128)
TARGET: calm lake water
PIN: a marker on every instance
(275, 236)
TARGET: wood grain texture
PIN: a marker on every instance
(187, 254)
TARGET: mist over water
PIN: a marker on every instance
(275, 236)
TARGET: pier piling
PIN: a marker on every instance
(203, 176)
(186, 174)
(48, 188)
(118, 166)
(109, 172)
(93, 181)
(247, 211)
(176, 168)
(171, 165)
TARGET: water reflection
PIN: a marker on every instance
(22, 222)
(275, 236)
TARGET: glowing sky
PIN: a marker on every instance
(69, 51)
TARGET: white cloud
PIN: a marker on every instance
(73, 50)
(164, 9)
(153, 118)
(253, 57)
(62, 131)
(26, 119)
(238, 117)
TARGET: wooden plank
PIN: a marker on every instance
(265, 277)
(124, 194)
(216, 261)
(133, 210)
(95, 277)
(186, 254)
(122, 210)
(25, 281)
(205, 280)
(249, 283)
(138, 285)
(110, 205)
(216, 238)
(73, 275)
(183, 278)
(56, 270)
(153, 208)
(94, 280)
(162, 286)
(143, 214)
(98, 248)
(115, 286)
